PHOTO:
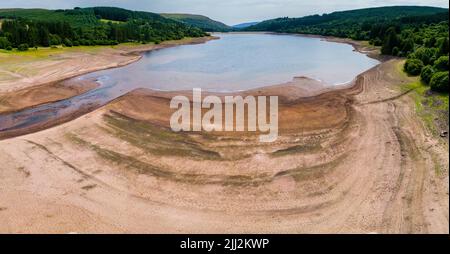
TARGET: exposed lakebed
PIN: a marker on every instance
(236, 62)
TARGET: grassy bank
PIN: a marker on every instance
(432, 107)
(15, 64)
(47, 51)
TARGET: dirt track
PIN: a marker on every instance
(357, 160)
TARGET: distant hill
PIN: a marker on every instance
(353, 23)
(245, 25)
(199, 21)
(84, 16)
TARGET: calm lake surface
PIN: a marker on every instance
(236, 62)
(240, 62)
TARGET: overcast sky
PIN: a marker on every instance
(230, 12)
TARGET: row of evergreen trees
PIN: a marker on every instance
(23, 33)
(20, 32)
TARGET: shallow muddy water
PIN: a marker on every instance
(236, 62)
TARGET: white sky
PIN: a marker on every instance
(230, 12)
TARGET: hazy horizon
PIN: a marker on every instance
(230, 12)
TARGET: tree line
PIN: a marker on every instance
(427, 52)
(22, 33)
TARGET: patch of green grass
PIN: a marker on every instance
(432, 107)
(23, 63)
(438, 168)
(400, 69)
(45, 52)
(112, 21)
(130, 44)
(367, 45)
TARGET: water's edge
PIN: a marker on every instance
(50, 114)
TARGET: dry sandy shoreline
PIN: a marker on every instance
(357, 160)
(354, 160)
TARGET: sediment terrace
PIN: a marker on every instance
(355, 160)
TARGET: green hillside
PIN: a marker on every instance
(354, 24)
(245, 25)
(80, 19)
(199, 21)
(87, 26)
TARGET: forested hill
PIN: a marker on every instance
(351, 24)
(417, 33)
(245, 25)
(87, 26)
(199, 21)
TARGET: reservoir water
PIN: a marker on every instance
(235, 62)
(241, 62)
